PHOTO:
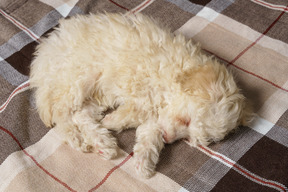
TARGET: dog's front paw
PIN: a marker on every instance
(106, 146)
(145, 161)
(143, 167)
(108, 152)
(108, 121)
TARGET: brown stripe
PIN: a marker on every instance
(30, 12)
(258, 18)
(114, 2)
(108, 6)
(200, 2)
(7, 30)
(21, 60)
(270, 158)
(167, 14)
(260, 37)
(277, 2)
(23, 123)
(10, 6)
(126, 140)
(180, 162)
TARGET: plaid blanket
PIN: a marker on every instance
(249, 36)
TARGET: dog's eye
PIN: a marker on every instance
(185, 121)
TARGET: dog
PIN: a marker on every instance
(153, 80)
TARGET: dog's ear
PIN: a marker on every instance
(196, 81)
(247, 115)
(185, 121)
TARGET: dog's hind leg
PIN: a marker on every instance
(125, 116)
(93, 133)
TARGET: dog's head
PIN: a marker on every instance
(209, 106)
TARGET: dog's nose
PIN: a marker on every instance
(166, 137)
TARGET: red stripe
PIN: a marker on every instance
(275, 85)
(216, 155)
(13, 93)
(17, 24)
(272, 6)
(252, 44)
(141, 6)
(35, 161)
(246, 71)
(110, 172)
(119, 5)
(243, 170)
(258, 179)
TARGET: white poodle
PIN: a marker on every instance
(152, 79)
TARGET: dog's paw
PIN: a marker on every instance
(145, 161)
(143, 167)
(109, 122)
(77, 142)
(107, 153)
(106, 146)
(86, 148)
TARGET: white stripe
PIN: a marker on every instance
(217, 158)
(261, 125)
(20, 26)
(208, 14)
(196, 24)
(270, 5)
(1, 59)
(202, 20)
(19, 161)
(141, 7)
(238, 168)
(183, 190)
(64, 9)
(14, 93)
(260, 178)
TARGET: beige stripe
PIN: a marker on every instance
(19, 161)
(199, 22)
(33, 180)
(275, 106)
(265, 63)
(158, 182)
(189, 29)
(83, 171)
(221, 42)
(257, 91)
(246, 32)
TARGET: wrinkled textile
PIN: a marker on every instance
(249, 36)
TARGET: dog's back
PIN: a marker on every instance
(122, 53)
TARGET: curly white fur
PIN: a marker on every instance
(155, 80)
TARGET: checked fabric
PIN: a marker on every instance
(249, 36)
